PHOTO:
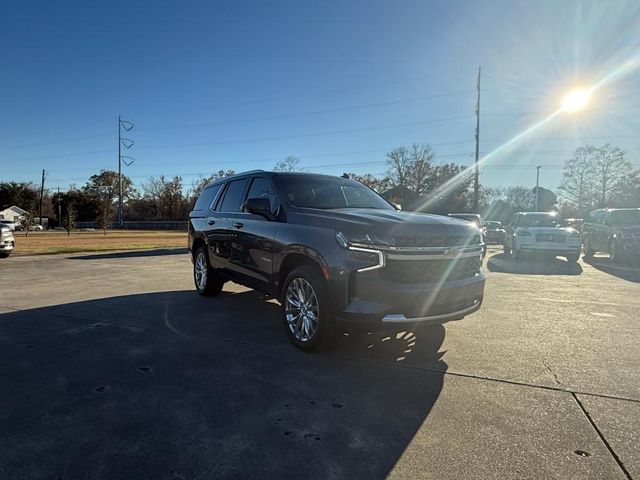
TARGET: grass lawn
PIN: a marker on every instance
(59, 242)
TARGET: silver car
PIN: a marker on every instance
(7, 241)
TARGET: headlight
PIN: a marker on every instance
(523, 233)
(377, 257)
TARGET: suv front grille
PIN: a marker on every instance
(435, 240)
(430, 271)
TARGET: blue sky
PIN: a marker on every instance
(218, 85)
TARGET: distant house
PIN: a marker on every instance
(14, 214)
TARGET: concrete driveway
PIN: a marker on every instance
(112, 367)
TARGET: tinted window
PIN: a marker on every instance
(261, 188)
(232, 201)
(327, 192)
(206, 197)
(539, 220)
(625, 217)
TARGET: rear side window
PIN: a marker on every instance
(261, 188)
(207, 197)
(233, 196)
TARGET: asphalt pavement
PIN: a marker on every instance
(111, 366)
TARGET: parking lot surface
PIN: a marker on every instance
(111, 366)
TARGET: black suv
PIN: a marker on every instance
(336, 254)
(612, 230)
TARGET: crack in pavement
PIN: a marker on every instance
(555, 377)
(612, 452)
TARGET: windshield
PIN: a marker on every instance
(329, 193)
(626, 217)
(493, 225)
(541, 220)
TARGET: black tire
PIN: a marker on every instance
(586, 247)
(505, 249)
(4, 254)
(573, 258)
(517, 255)
(211, 284)
(324, 320)
(614, 252)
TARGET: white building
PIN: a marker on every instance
(12, 213)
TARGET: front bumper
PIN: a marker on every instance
(7, 246)
(381, 304)
(550, 249)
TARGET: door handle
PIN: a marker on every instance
(238, 225)
(211, 222)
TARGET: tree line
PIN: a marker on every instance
(593, 177)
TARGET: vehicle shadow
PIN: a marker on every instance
(629, 271)
(532, 265)
(210, 386)
(132, 254)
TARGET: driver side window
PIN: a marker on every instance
(261, 188)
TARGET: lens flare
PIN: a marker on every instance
(576, 100)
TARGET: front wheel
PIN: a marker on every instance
(204, 277)
(306, 309)
(573, 258)
(4, 254)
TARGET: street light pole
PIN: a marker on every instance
(476, 184)
(538, 187)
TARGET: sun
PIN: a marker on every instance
(576, 100)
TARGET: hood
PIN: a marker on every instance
(397, 228)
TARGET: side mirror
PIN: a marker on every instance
(258, 206)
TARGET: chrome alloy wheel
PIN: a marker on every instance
(301, 309)
(200, 270)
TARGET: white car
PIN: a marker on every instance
(541, 232)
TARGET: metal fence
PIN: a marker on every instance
(142, 225)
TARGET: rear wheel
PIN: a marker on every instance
(207, 282)
(306, 311)
(586, 247)
(614, 252)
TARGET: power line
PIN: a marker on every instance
(308, 113)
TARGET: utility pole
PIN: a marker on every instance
(126, 143)
(119, 172)
(476, 184)
(538, 188)
(41, 195)
(59, 209)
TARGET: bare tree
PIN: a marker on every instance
(577, 183)
(289, 164)
(26, 222)
(611, 169)
(420, 169)
(70, 218)
(399, 165)
(105, 216)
